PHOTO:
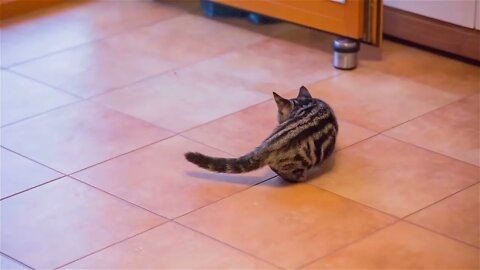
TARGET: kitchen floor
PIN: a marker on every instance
(100, 100)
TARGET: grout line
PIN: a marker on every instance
(123, 154)
(440, 200)
(6, 148)
(253, 105)
(28, 77)
(224, 116)
(430, 150)
(440, 233)
(42, 113)
(349, 244)
(120, 198)
(110, 245)
(458, 99)
(226, 197)
(33, 187)
(101, 38)
(356, 202)
(227, 244)
(15, 260)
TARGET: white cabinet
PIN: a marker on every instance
(460, 12)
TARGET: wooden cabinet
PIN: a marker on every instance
(10, 8)
(358, 19)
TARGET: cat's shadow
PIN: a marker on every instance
(266, 179)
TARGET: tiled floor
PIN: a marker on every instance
(101, 99)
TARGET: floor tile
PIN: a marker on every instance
(378, 101)
(19, 173)
(267, 66)
(241, 132)
(288, 225)
(62, 218)
(176, 41)
(457, 216)
(395, 177)
(178, 247)
(22, 97)
(427, 68)
(70, 25)
(93, 68)
(179, 102)
(402, 246)
(453, 130)
(156, 177)
(78, 136)
(7, 264)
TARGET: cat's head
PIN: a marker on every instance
(288, 106)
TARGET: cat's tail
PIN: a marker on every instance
(246, 163)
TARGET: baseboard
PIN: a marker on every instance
(450, 38)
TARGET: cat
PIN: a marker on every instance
(304, 138)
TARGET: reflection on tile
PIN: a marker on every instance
(19, 173)
(457, 216)
(170, 246)
(453, 130)
(78, 136)
(402, 246)
(288, 225)
(395, 177)
(62, 218)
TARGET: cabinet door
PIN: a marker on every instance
(358, 19)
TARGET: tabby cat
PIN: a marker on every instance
(304, 138)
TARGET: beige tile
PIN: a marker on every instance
(19, 173)
(402, 246)
(179, 102)
(64, 220)
(288, 225)
(22, 97)
(395, 177)
(453, 130)
(170, 246)
(78, 136)
(457, 216)
(378, 101)
(160, 179)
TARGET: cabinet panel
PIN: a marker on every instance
(460, 12)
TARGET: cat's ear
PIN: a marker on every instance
(303, 92)
(281, 102)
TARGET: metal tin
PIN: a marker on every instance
(345, 52)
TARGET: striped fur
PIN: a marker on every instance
(304, 138)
